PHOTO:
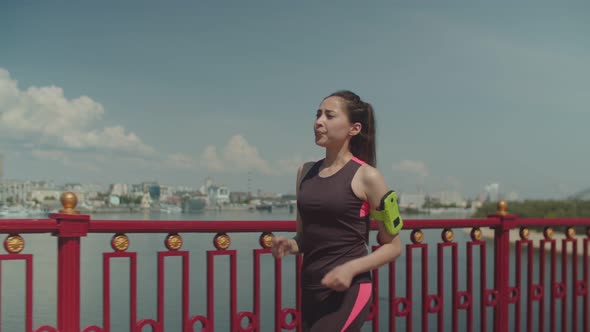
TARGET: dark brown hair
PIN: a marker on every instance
(362, 145)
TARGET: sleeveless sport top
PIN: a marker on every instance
(335, 223)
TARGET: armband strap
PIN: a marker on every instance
(388, 213)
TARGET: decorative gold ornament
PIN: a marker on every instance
(120, 242)
(548, 233)
(14, 244)
(221, 241)
(570, 232)
(265, 240)
(476, 234)
(173, 241)
(448, 235)
(502, 208)
(69, 202)
(417, 236)
(524, 233)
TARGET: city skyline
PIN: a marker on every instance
(491, 192)
(465, 96)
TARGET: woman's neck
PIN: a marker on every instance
(337, 157)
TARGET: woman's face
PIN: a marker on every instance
(332, 125)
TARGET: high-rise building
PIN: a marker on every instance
(492, 192)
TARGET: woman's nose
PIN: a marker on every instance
(319, 121)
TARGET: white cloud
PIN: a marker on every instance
(43, 115)
(245, 156)
(210, 159)
(237, 155)
(54, 128)
(412, 166)
(111, 138)
(290, 166)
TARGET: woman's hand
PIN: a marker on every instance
(281, 246)
(339, 278)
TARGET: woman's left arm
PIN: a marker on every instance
(391, 247)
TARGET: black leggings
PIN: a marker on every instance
(340, 311)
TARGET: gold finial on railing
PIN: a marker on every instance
(265, 240)
(524, 233)
(120, 242)
(448, 235)
(476, 234)
(570, 232)
(69, 202)
(221, 241)
(502, 208)
(14, 243)
(173, 241)
(417, 236)
(548, 233)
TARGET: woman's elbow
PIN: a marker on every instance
(394, 243)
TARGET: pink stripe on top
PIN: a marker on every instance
(365, 209)
(361, 300)
(358, 160)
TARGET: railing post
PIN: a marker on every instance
(71, 226)
(502, 266)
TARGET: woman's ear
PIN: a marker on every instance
(355, 129)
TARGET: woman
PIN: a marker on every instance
(334, 198)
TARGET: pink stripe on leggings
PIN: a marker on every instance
(361, 300)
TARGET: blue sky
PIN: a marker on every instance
(466, 93)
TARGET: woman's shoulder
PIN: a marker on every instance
(369, 174)
(305, 167)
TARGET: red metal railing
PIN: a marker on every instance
(456, 305)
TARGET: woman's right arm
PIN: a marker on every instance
(298, 223)
(280, 243)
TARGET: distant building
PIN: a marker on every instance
(42, 195)
(218, 195)
(166, 192)
(119, 189)
(492, 192)
(16, 192)
(239, 197)
(267, 195)
(204, 189)
(114, 200)
(153, 188)
(74, 187)
(137, 190)
(449, 198)
(414, 201)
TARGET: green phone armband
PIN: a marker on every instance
(388, 213)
